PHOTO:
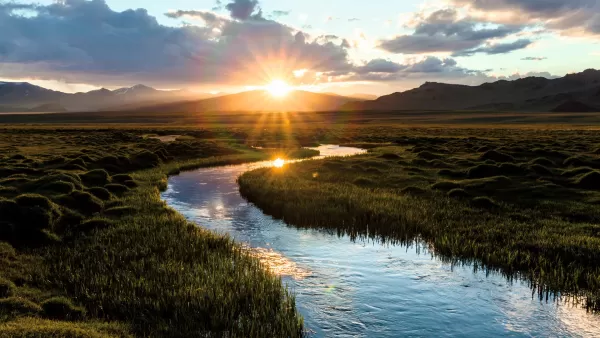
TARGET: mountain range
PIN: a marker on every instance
(578, 92)
(24, 96)
(572, 93)
(258, 100)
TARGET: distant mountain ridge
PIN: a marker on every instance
(582, 90)
(258, 100)
(578, 92)
(24, 96)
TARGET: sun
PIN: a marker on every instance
(278, 88)
(278, 163)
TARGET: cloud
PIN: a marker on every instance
(500, 48)
(424, 68)
(243, 9)
(353, 19)
(279, 14)
(445, 31)
(534, 58)
(87, 42)
(568, 16)
(380, 66)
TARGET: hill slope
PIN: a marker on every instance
(527, 94)
(257, 100)
(23, 96)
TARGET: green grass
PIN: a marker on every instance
(101, 238)
(490, 206)
(86, 239)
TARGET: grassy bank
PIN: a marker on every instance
(88, 249)
(526, 206)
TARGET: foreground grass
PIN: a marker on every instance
(88, 249)
(526, 207)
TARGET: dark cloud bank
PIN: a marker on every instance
(86, 41)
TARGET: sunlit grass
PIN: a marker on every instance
(524, 206)
(85, 236)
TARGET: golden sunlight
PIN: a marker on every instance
(278, 163)
(278, 88)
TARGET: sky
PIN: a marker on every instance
(342, 46)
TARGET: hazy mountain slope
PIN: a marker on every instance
(23, 96)
(531, 94)
(258, 100)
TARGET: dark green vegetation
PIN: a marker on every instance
(88, 249)
(523, 202)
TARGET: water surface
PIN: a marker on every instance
(365, 289)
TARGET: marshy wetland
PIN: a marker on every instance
(87, 244)
(88, 249)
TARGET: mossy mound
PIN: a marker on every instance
(363, 181)
(484, 203)
(76, 163)
(577, 172)
(413, 191)
(389, 156)
(145, 159)
(543, 161)
(445, 186)
(59, 177)
(14, 306)
(497, 156)
(541, 170)
(58, 187)
(121, 178)
(589, 181)
(509, 169)
(119, 211)
(458, 194)
(7, 288)
(94, 224)
(62, 308)
(18, 157)
(95, 177)
(29, 212)
(484, 170)
(117, 189)
(452, 173)
(83, 202)
(426, 155)
(101, 193)
(7, 252)
(575, 161)
(34, 327)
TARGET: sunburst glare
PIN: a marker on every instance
(278, 163)
(278, 88)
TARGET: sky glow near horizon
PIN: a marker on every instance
(338, 46)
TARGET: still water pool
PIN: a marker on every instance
(365, 289)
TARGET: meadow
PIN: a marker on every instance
(88, 249)
(525, 203)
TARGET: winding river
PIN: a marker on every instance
(365, 289)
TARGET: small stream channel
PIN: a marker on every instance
(365, 289)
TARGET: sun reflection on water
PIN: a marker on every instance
(278, 163)
(278, 263)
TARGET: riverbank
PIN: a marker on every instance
(525, 207)
(92, 250)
